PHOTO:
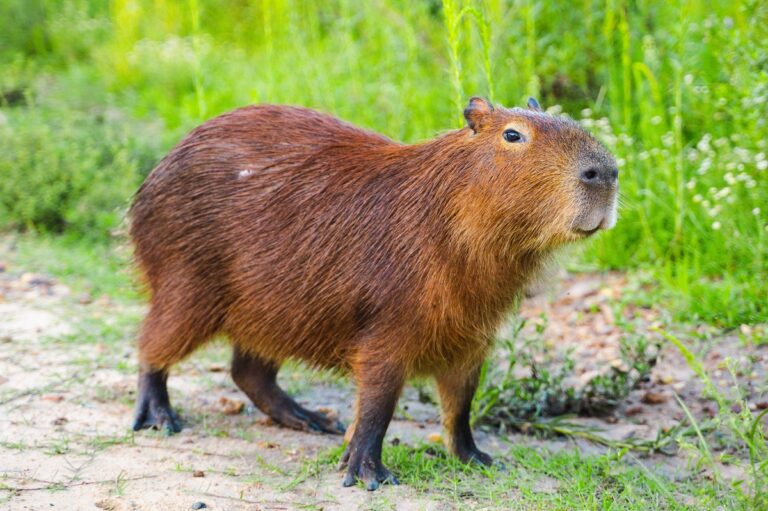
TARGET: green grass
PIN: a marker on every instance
(532, 478)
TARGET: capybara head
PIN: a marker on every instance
(541, 179)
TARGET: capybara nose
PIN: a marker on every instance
(599, 175)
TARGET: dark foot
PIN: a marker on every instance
(290, 414)
(153, 408)
(475, 455)
(368, 470)
(258, 379)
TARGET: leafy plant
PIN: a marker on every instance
(506, 400)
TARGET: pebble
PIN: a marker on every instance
(199, 505)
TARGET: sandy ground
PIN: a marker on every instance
(66, 404)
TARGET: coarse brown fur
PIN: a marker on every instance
(299, 236)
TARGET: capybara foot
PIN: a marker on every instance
(475, 455)
(153, 408)
(295, 416)
(257, 377)
(369, 470)
(152, 415)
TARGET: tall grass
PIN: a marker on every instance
(678, 90)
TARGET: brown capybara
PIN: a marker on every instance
(299, 236)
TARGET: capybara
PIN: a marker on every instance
(298, 236)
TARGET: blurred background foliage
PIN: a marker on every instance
(94, 92)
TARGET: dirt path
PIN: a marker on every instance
(67, 391)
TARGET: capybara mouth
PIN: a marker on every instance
(586, 234)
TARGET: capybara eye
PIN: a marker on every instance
(512, 136)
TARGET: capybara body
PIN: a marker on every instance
(299, 236)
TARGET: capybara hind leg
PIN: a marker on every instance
(153, 408)
(379, 387)
(258, 379)
(168, 335)
(456, 389)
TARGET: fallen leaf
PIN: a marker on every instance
(54, 398)
(198, 473)
(655, 398)
(435, 438)
(231, 406)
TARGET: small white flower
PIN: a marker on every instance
(762, 165)
(716, 226)
(691, 184)
(756, 211)
(656, 119)
(688, 79)
(586, 113)
(697, 198)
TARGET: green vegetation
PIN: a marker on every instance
(541, 479)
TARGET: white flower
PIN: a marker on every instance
(762, 165)
(697, 198)
(586, 112)
(716, 226)
(656, 119)
(691, 184)
(688, 79)
(756, 211)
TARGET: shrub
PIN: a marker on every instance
(69, 170)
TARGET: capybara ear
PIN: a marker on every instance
(534, 105)
(477, 113)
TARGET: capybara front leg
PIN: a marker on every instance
(457, 388)
(379, 387)
(153, 408)
(258, 379)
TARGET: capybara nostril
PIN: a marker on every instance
(590, 175)
(597, 175)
